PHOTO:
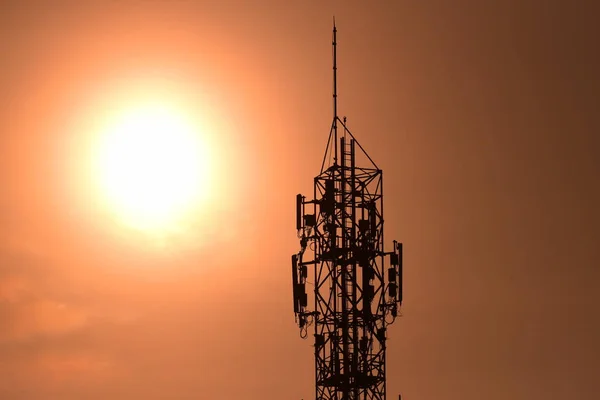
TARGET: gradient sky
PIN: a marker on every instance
(482, 114)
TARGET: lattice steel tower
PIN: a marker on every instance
(355, 294)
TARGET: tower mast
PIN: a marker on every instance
(335, 115)
(355, 295)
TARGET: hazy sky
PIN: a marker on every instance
(482, 114)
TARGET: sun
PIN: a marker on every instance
(152, 166)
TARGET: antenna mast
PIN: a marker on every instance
(335, 115)
(356, 292)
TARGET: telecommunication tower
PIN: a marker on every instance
(356, 294)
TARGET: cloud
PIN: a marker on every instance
(12, 288)
(27, 307)
(41, 317)
(56, 372)
(51, 340)
(61, 368)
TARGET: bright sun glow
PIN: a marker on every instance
(152, 166)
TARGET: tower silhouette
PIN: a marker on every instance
(355, 295)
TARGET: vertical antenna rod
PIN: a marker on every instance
(335, 116)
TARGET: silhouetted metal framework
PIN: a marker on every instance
(356, 296)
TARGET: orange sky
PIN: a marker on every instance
(483, 116)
